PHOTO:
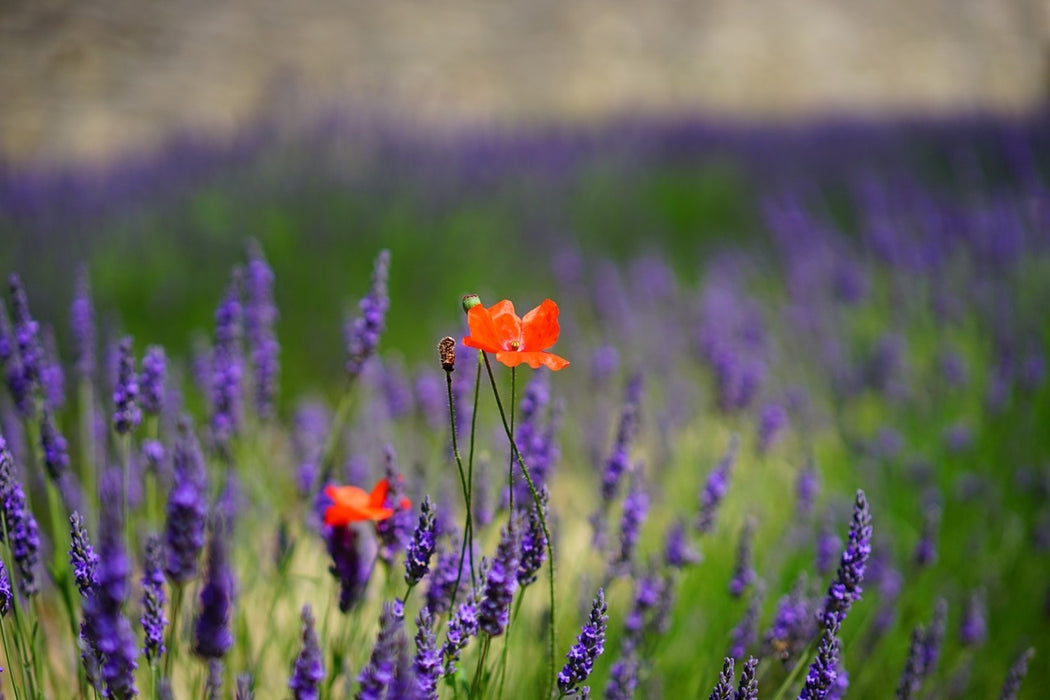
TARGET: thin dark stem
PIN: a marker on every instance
(510, 462)
(468, 486)
(539, 512)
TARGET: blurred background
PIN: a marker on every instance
(150, 141)
(82, 81)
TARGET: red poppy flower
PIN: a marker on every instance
(514, 340)
(352, 504)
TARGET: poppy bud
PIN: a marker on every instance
(447, 353)
(470, 301)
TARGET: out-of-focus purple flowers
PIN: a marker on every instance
(81, 555)
(974, 627)
(82, 322)
(461, 629)
(533, 543)
(771, 422)
(187, 507)
(152, 378)
(500, 584)
(227, 369)
(153, 599)
(635, 509)
(619, 460)
(716, 487)
(212, 636)
(126, 411)
(260, 315)
(352, 550)
(107, 634)
(54, 447)
(743, 569)
(378, 674)
(1012, 684)
(308, 670)
(678, 551)
(362, 334)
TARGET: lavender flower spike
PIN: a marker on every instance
(6, 594)
(619, 460)
(151, 380)
(748, 688)
(20, 525)
(82, 321)
(500, 585)
(308, 671)
(635, 508)
(533, 543)
(362, 334)
(461, 628)
(589, 646)
(376, 677)
(81, 555)
(743, 570)
(427, 661)
(421, 548)
(106, 632)
(211, 630)
(126, 412)
(823, 671)
(716, 487)
(153, 599)
(186, 510)
(54, 447)
(846, 587)
(27, 334)
(260, 314)
(1016, 675)
(724, 688)
(226, 367)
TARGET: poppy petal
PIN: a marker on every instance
(540, 327)
(532, 359)
(378, 495)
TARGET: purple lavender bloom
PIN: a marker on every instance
(678, 551)
(829, 545)
(81, 555)
(421, 548)
(590, 644)
(623, 676)
(1015, 677)
(106, 632)
(153, 599)
(793, 624)
(846, 587)
(226, 367)
(500, 584)
(212, 637)
(308, 670)
(260, 314)
(461, 629)
(394, 532)
(914, 670)
(6, 594)
(934, 637)
(1032, 372)
(724, 688)
(151, 380)
(427, 661)
(26, 333)
(54, 447)
(533, 543)
(377, 675)
(744, 635)
(126, 412)
(19, 524)
(82, 321)
(17, 383)
(953, 368)
(806, 487)
(186, 509)
(619, 461)
(351, 565)
(213, 683)
(743, 569)
(748, 688)
(715, 487)
(362, 334)
(823, 672)
(431, 399)
(771, 422)
(153, 453)
(443, 580)
(958, 437)
(635, 509)
(974, 628)
(245, 687)
(52, 378)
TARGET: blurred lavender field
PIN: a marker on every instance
(776, 333)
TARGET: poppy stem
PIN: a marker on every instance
(510, 465)
(539, 512)
(468, 484)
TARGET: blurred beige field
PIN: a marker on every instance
(86, 80)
